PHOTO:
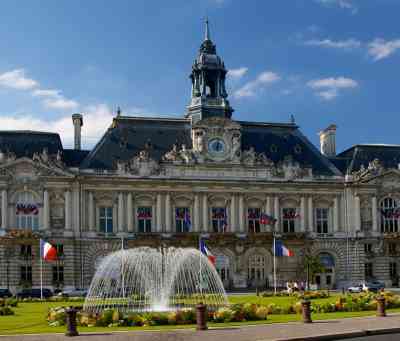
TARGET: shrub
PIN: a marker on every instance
(262, 313)
(249, 311)
(56, 316)
(12, 302)
(158, 319)
(6, 311)
(224, 315)
(136, 320)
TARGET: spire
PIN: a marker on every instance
(207, 35)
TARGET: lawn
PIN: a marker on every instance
(30, 318)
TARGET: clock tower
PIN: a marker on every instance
(209, 96)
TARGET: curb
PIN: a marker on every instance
(348, 335)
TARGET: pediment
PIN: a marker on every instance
(389, 178)
(32, 169)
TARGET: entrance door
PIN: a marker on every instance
(326, 279)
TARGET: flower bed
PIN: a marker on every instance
(233, 313)
(6, 310)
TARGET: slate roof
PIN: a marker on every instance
(351, 159)
(129, 135)
(26, 142)
(74, 158)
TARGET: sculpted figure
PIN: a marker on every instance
(45, 155)
(186, 154)
(172, 155)
(249, 156)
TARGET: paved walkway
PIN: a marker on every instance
(319, 330)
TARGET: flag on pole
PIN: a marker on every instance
(281, 250)
(205, 251)
(187, 220)
(266, 219)
(48, 252)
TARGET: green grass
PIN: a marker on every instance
(283, 301)
(30, 318)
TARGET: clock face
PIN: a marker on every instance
(216, 146)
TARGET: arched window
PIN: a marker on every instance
(26, 211)
(390, 214)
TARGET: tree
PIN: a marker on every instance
(313, 266)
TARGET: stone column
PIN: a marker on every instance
(159, 226)
(46, 210)
(196, 213)
(168, 225)
(357, 213)
(303, 214)
(91, 213)
(233, 214)
(310, 214)
(241, 214)
(267, 207)
(4, 209)
(129, 212)
(277, 214)
(67, 198)
(336, 214)
(374, 214)
(120, 212)
(205, 213)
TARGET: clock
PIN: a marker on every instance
(216, 146)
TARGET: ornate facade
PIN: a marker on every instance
(166, 182)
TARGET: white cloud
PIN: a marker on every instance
(16, 79)
(347, 44)
(251, 88)
(328, 88)
(96, 119)
(380, 49)
(238, 73)
(344, 4)
(60, 103)
(45, 93)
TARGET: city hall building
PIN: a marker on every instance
(169, 181)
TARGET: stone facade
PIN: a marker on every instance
(147, 177)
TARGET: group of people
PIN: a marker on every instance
(294, 286)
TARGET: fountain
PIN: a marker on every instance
(148, 279)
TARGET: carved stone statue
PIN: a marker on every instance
(44, 156)
(249, 157)
(172, 155)
(186, 154)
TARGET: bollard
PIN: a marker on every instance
(201, 316)
(71, 322)
(306, 311)
(380, 306)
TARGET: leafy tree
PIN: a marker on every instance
(313, 265)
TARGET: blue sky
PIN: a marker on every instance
(324, 61)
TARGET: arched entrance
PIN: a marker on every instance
(326, 279)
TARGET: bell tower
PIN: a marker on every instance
(209, 96)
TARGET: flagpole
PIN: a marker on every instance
(274, 265)
(41, 270)
(201, 279)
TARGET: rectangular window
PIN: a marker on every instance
(218, 218)
(368, 270)
(289, 217)
(60, 250)
(322, 219)
(392, 248)
(26, 273)
(26, 251)
(393, 269)
(182, 219)
(58, 273)
(106, 219)
(367, 248)
(144, 216)
(253, 219)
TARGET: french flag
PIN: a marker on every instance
(281, 250)
(48, 252)
(205, 251)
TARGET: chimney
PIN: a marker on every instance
(77, 120)
(327, 139)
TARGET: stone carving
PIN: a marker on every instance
(249, 157)
(172, 155)
(374, 168)
(179, 156)
(292, 170)
(142, 165)
(186, 154)
(7, 157)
